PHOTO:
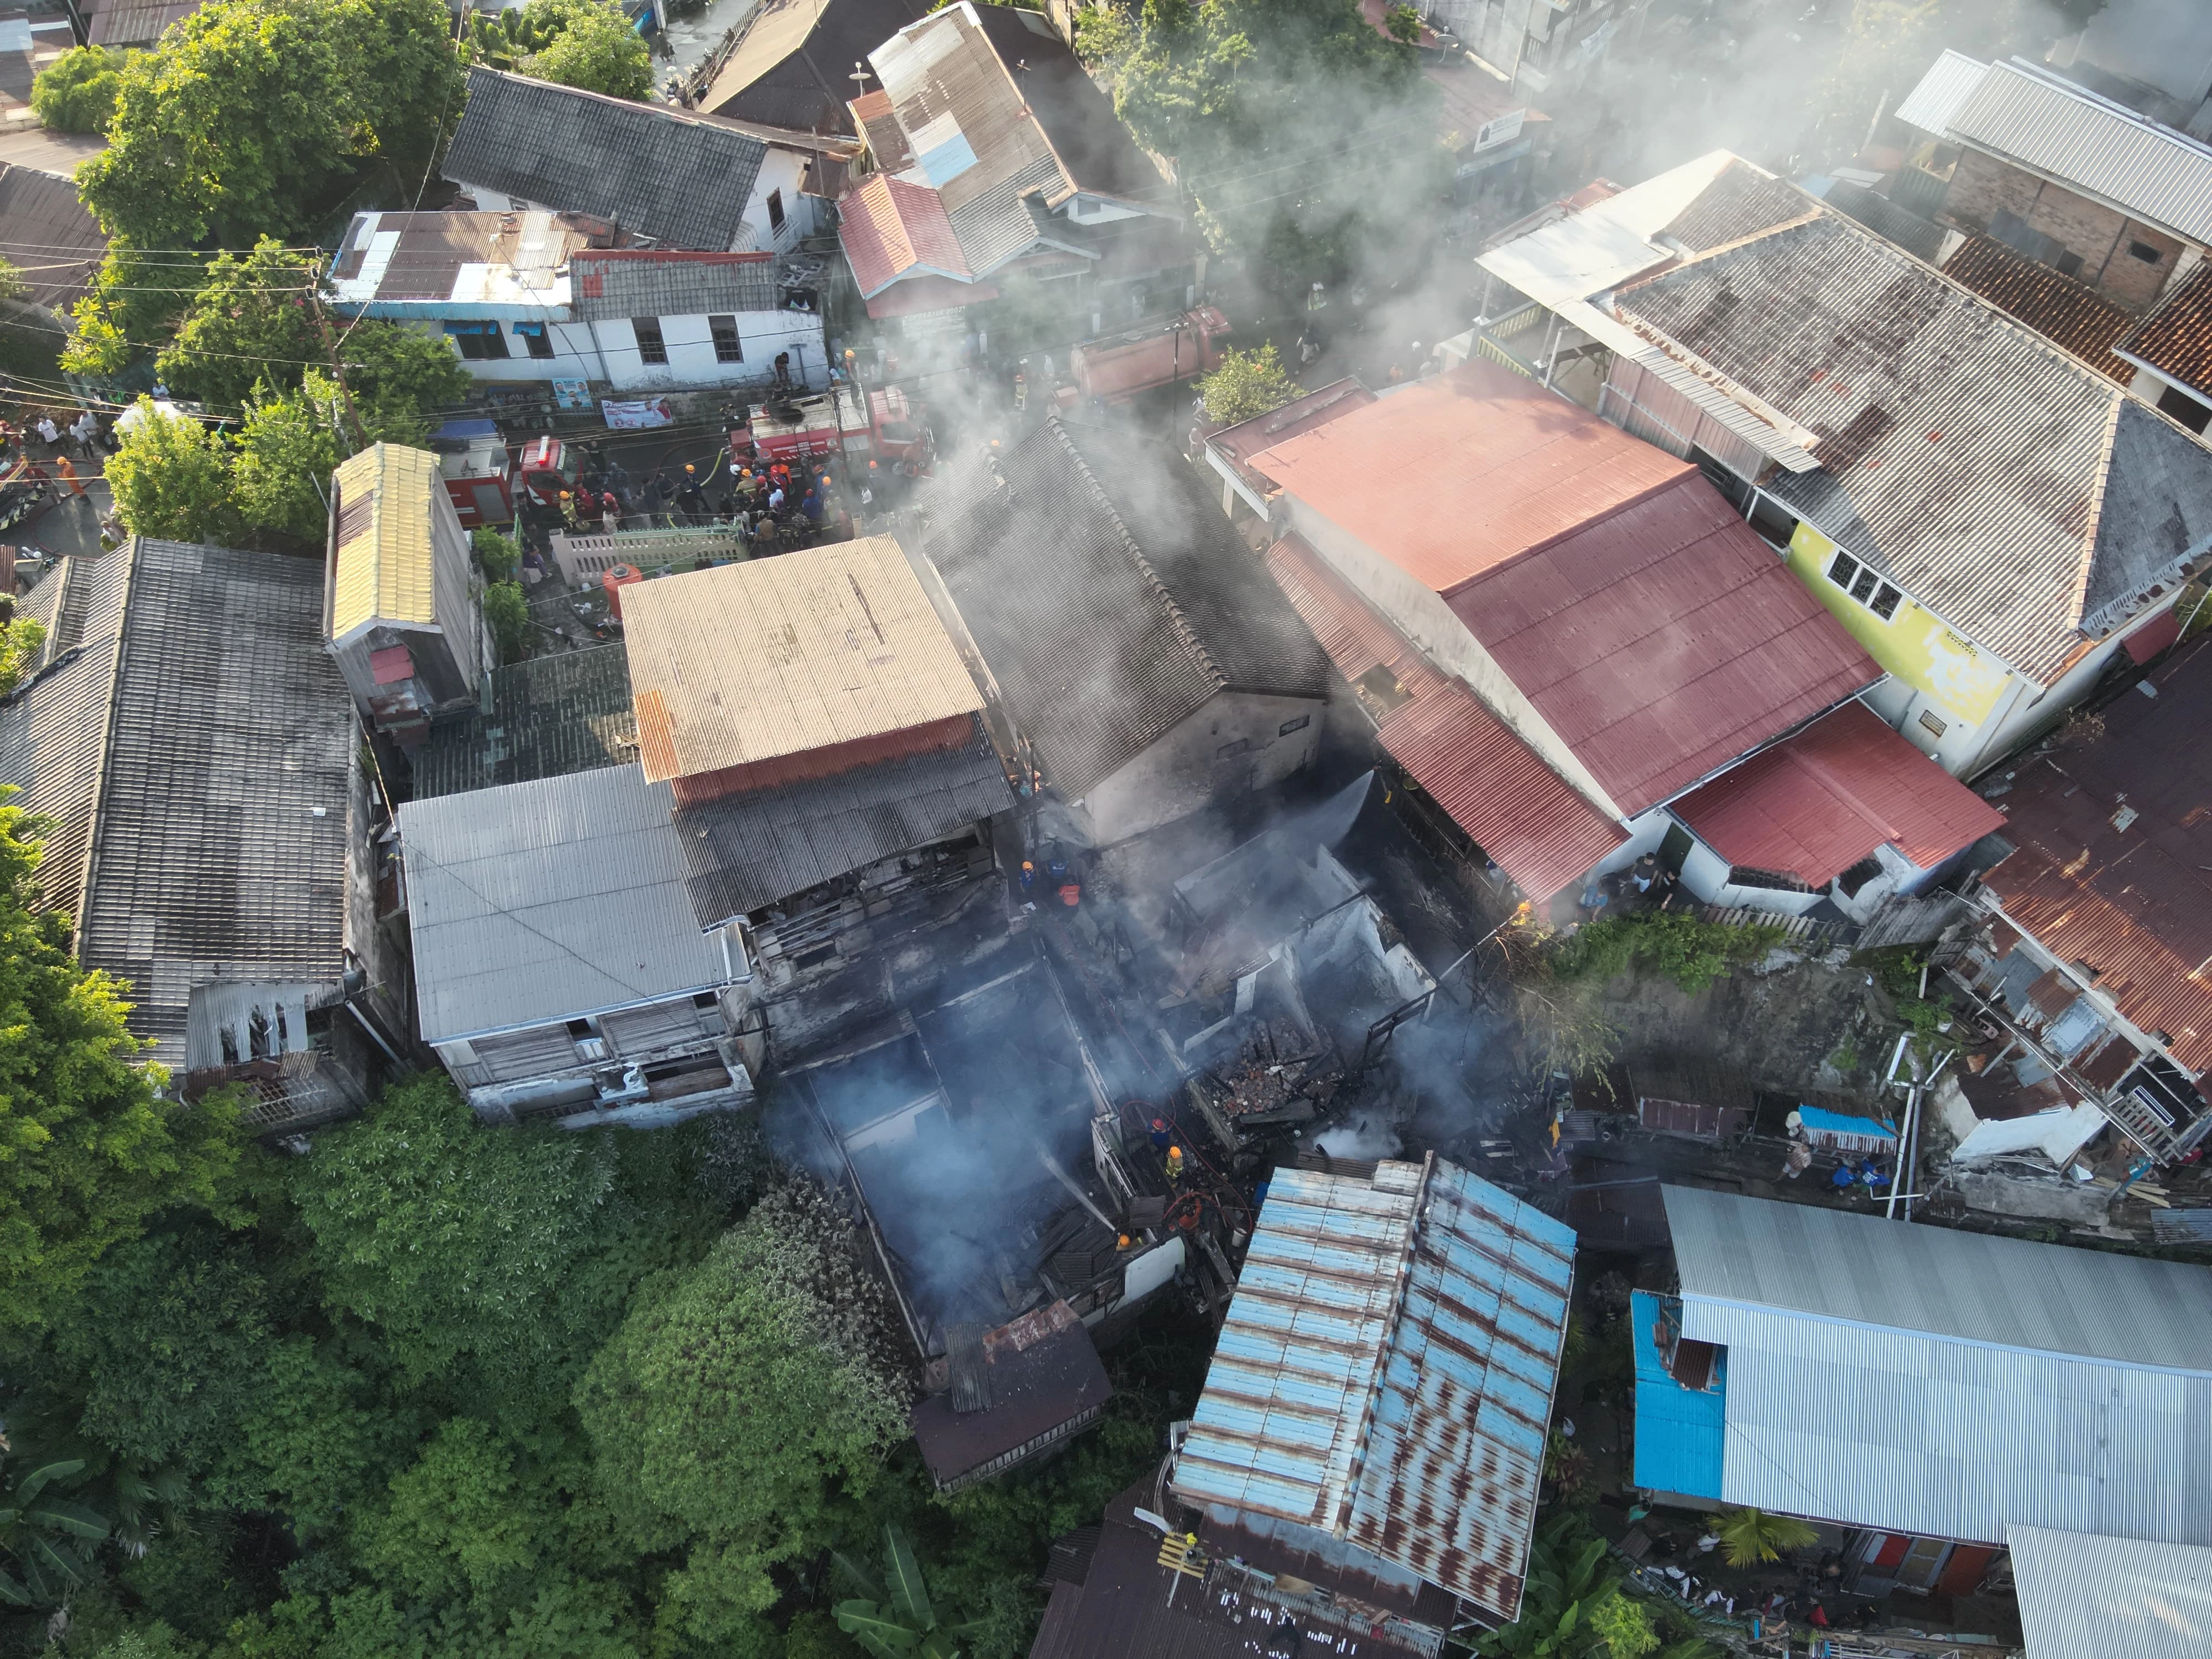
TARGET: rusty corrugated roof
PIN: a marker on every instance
(747, 662)
(1386, 1371)
(2113, 861)
(1815, 804)
(1527, 819)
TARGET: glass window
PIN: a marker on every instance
(1885, 601)
(1841, 572)
(650, 348)
(1863, 589)
(776, 210)
(727, 350)
(1297, 725)
(478, 342)
(535, 339)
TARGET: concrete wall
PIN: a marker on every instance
(1423, 617)
(606, 352)
(1186, 769)
(1705, 873)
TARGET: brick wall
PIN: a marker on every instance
(1983, 186)
(2132, 282)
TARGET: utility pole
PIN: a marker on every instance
(330, 344)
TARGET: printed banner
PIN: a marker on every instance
(652, 411)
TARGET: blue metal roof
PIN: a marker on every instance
(1386, 1371)
(1680, 1432)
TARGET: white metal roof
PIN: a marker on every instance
(2088, 1597)
(1949, 1384)
(537, 901)
(2101, 148)
(1950, 80)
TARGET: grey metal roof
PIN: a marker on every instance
(2087, 1597)
(1999, 514)
(748, 850)
(630, 284)
(1004, 220)
(55, 241)
(1949, 1384)
(1385, 1373)
(1922, 238)
(2104, 149)
(1950, 80)
(1110, 597)
(551, 716)
(185, 750)
(655, 170)
(544, 901)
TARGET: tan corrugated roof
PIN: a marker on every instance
(747, 662)
(383, 559)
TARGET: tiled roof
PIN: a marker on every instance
(1529, 820)
(889, 227)
(567, 712)
(1385, 1372)
(653, 169)
(2066, 313)
(1110, 597)
(1922, 473)
(1652, 629)
(208, 728)
(384, 567)
(544, 901)
(1813, 805)
(746, 850)
(630, 283)
(791, 66)
(2135, 903)
(44, 225)
(750, 662)
(2176, 339)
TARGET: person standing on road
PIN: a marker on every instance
(616, 480)
(85, 429)
(689, 497)
(68, 470)
(48, 432)
(660, 492)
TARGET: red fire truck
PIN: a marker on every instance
(894, 431)
(1116, 367)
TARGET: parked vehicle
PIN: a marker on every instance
(546, 468)
(894, 430)
(22, 491)
(1114, 368)
(472, 459)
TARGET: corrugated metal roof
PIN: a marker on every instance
(1816, 803)
(2134, 904)
(1949, 1384)
(1923, 472)
(1110, 595)
(773, 657)
(1950, 80)
(1464, 472)
(744, 851)
(386, 569)
(45, 221)
(569, 711)
(655, 170)
(889, 228)
(1679, 1431)
(539, 902)
(1238, 444)
(2082, 1596)
(2103, 150)
(1386, 1371)
(2176, 339)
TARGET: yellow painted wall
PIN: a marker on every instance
(1914, 645)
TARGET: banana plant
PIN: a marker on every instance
(895, 1620)
(41, 1537)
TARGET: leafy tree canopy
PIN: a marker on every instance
(170, 479)
(588, 44)
(256, 117)
(1247, 384)
(87, 1152)
(21, 639)
(76, 91)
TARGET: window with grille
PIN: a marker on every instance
(726, 346)
(1865, 585)
(650, 348)
(776, 210)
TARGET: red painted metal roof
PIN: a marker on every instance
(1650, 626)
(888, 228)
(1815, 804)
(1539, 830)
(2114, 839)
(1236, 444)
(1460, 473)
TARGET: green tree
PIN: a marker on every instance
(499, 555)
(460, 1520)
(893, 1617)
(21, 639)
(282, 458)
(251, 322)
(87, 1151)
(256, 117)
(42, 1534)
(1247, 383)
(736, 1398)
(1287, 119)
(170, 479)
(75, 93)
(589, 43)
(1749, 1536)
(133, 299)
(508, 615)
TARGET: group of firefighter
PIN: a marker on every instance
(776, 508)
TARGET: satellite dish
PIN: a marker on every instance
(1159, 1521)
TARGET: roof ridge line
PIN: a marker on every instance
(1176, 619)
(2077, 606)
(98, 826)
